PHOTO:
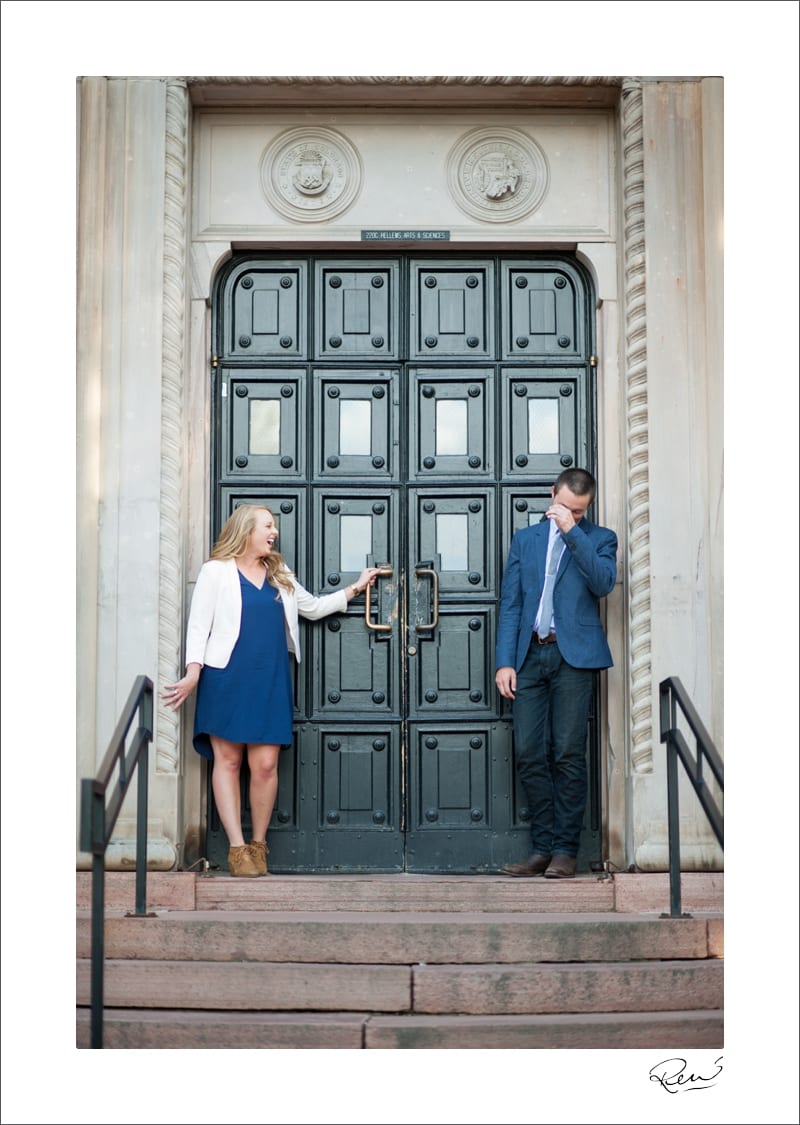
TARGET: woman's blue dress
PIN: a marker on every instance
(250, 700)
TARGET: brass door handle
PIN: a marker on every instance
(383, 572)
(429, 625)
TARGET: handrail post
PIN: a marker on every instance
(96, 827)
(673, 832)
(141, 833)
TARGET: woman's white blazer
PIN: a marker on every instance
(216, 614)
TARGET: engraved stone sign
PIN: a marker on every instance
(497, 175)
(310, 175)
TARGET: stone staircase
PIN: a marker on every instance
(406, 961)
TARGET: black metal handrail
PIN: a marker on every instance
(98, 820)
(672, 696)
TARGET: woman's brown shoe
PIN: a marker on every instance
(241, 861)
(259, 850)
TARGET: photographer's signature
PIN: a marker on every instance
(672, 1075)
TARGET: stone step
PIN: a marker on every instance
(402, 938)
(488, 989)
(673, 1030)
(626, 892)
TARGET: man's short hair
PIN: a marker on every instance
(579, 481)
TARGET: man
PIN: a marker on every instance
(549, 642)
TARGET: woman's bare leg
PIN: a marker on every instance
(263, 761)
(226, 788)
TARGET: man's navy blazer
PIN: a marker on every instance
(586, 573)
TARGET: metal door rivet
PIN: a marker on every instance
(474, 462)
(247, 283)
(472, 341)
(475, 696)
(377, 281)
(333, 461)
(245, 341)
(333, 392)
(378, 392)
(378, 697)
(333, 508)
(286, 283)
(378, 816)
(412, 650)
(241, 462)
(286, 462)
(379, 744)
(334, 744)
(286, 341)
(563, 341)
(431, 696)
(522, 341)
(334, 579)
(334, 697)
(565, 389)
(333, 626)
(476, 743)
(472, 282)
(566, 460)
(474, 391)
(560, 282)
(521, 505)
(335, 341)
(476, 814)
(378, 508)
(429, 506)
(521, 283)
(521, 460)
(521, 390)
(287, 391)
(378, 462)
(428, 391)
(335, 282)
(431, 743)
(429, 462)
(430, 282)
(241, 391)
(332, 817)
(287, 507)
(377, 341)
(283, 816)
(430, 341)
(474, 622)
(474, 505)
(431, 814)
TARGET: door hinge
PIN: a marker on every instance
(593, 361)
(215, 361)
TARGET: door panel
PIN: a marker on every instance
(419, 438)
(357, 311)
(542, 312)
(453, 430)
(266, 436)
(357, 423)
(266, 311)
(452, 310)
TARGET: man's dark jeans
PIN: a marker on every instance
(551, 713)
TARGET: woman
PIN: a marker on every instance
(243, 624)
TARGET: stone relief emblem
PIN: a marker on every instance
(497, 175)
(310, 175)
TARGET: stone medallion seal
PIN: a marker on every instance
(497, 175)
(310, 175)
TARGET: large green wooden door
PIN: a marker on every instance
(409, 413)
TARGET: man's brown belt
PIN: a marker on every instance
(551, 640)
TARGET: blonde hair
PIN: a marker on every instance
(233, 539)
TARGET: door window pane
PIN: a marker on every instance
(451, 541)
(355, 427)
(356, 542)
(451, 427)
(543, 425)
(265, 426)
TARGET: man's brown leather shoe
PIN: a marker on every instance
(561, 867)
(536, 865)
